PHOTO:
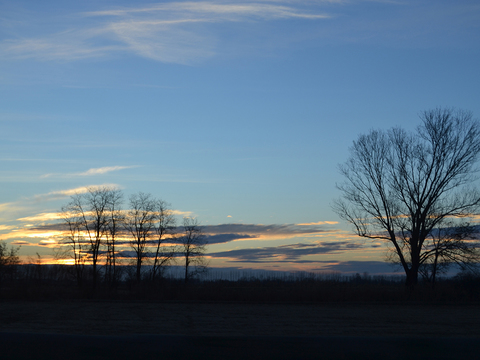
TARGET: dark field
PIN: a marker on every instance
(236, 319)
(122, 330)
(334, 318)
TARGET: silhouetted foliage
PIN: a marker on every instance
(9, 261)
(57, 282)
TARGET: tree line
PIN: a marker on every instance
(100, 235)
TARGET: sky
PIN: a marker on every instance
(235, 112)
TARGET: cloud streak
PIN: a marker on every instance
(59, 194)
(175, 32)
(285, 253)
(232, 12)
(273, 230)
(92, 171)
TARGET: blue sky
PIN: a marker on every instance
(235, 112)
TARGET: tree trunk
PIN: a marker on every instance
(412, 278)
(94, 275)
(139, 267)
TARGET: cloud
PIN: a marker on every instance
(48, 243)
(10, 207)
(59, 194)
(181, 213)
(6, 227)
(352, 267)
(20, 243)
(92, 171)
(215, 11)
(175, 32)
(224, 238)
(260, 230)
(285, 253)
(42, 217)
(319, 223)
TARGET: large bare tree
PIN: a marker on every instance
(401, 186)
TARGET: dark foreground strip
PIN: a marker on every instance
(53, 346)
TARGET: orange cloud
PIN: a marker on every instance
(319, 223)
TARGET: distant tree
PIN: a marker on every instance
(88, 217)
(452, 244)
(140, 224)
(192, 247)
(73, 244)
(401, 187)
(9, 260)
(164, 228)
(115, 225)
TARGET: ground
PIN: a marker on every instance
(124, 330)
(236, 319)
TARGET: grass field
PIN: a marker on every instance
(80, 329)
(309, 318)
(240, 319)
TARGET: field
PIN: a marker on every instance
(115, 329)
(328, 318)
(237, 319)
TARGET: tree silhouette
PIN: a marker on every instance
(193, 246)
(140, 224)
(164, 227)
(402, 186)
(88, 217)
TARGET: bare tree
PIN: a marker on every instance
(115, 223)
(77, 247)
(400, 187)
(164, 228)
(87, 216)
(140, 224)
(193, 247)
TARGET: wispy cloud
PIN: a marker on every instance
(260, 231)
(182, 213)
(59, 194)
(20, 243)
(91, 172)
(178, 32)
(232, 11)
(42, 217)
(352, 267)
(287, 253)
(319, 223)
(6, 227)
(10, 206)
